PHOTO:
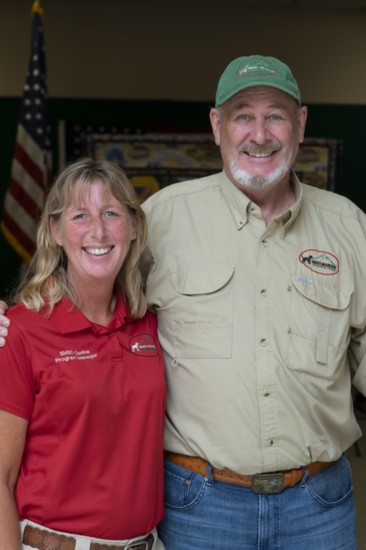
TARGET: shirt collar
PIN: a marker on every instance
(289, 216)
(67, 318)
(239, 203)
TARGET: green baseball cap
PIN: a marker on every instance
(256, 70)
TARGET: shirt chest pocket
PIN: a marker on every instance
(320, 326)
(201, 318)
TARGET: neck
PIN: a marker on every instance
(273, 200)
(97, 315)
(96, 305)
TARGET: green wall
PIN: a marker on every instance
(344, 122)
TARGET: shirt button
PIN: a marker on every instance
(264, 242)
(263, 342)
(270, 442)
(264, 291)
(266, 393)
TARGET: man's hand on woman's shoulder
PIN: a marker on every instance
(4, 323)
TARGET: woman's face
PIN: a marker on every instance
(95, 231)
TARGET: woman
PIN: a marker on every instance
(82, 393)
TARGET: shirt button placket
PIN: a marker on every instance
(266, 396)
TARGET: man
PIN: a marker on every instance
(258, 284)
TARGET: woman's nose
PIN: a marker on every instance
(98, 228)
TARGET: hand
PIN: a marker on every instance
(4, 323)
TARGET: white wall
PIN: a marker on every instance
(140, 50)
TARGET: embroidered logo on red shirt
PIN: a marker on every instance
(320, 261)
(143, 344)
(73, 355)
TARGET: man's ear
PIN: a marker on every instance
(301, 121)
(215, 124)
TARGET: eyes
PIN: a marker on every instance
(110, 214)
(276, 117)
(78, 217)
(85, 215)
(272, 117)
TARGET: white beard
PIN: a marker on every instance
(259, 181)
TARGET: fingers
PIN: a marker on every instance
(3, 308)
(2, 339)
(4, 323)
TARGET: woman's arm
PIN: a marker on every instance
(13, 431)
(4, 323)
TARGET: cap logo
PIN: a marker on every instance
(256, 70)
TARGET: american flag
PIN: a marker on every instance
(31, 164)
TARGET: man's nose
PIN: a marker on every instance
(259, 131)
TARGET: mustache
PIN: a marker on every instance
(255, 149)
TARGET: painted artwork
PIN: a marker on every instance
(154, 160)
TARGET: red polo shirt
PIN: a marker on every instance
(95, 400)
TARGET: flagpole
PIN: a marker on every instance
(36, 8)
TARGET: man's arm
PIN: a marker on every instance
(13, 431)
(357, 360)
(4, 323)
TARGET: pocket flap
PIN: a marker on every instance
(202, 279)
(321, 292)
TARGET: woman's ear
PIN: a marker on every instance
(134, 228)
(56, 232)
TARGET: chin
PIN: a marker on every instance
(245, 179)
(249, 181)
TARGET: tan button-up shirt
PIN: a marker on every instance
(263, 328)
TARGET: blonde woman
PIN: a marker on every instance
(82, 396)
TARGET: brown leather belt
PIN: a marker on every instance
(269, 482)
(49, 540)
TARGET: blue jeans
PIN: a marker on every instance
(204, 514)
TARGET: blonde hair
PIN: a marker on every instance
(46, 281)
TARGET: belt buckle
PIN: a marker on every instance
(268, 483)
(140, 544)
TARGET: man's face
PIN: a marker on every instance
(258, 131)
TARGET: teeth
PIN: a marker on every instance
(98, 251)
(260, 155)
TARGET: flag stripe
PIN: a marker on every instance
(16, 237)
(29, 154)
(17, 197)
(24, 178)
(20, 217)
